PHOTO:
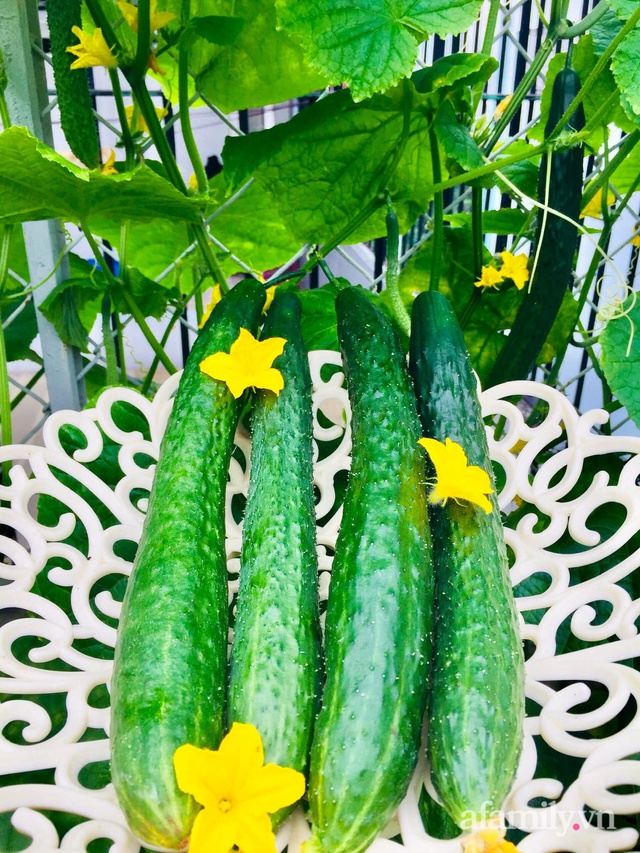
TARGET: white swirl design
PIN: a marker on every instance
(573, 517)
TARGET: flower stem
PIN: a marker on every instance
(136, 313)
(437, 236)
(109, 343)
(183, 96)
(144, 37)
(125, 130)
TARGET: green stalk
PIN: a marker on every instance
(487, 44)
(476, 230)
(144, 38)
(6, 433)
(437, 237)
(136, 313)
(183, 97)
(393, 270)
(522, 89)
(120, 337)
(125, 130)
(109, 343)
(587, 22)
(4, 113)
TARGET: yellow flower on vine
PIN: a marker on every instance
(238, 791)
(92, 50)
(108, 168)
(130, 14)
(216, 296)
(248, 364)
(455, 478)
(271, 292)
(136, 120)
(593, 208)
(635, 241)
(515, 268)
(490, 277)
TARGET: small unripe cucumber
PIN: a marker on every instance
(275, 659)
(476, 704)
(72, 86)
(171, 654)
(378, 621)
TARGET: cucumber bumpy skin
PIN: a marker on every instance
(476, 705)
(276, 653)
(169, 672)
(378, 620)
(72, 86)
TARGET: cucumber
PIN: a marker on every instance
(72, 86)
(276, 653)
(378, 620)
(476, 704)
(553, 277)
(171, 653)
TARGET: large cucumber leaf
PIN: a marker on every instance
(371, 45)
(620, 342)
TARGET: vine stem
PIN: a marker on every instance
(393, 270)
(183, 98)
(136, 313)
(109, 343)
(127, 139)
(144, 37)
(437, 236)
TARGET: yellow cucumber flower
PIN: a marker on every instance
(136, 120)
(130, 14)
(247, 364)
(108, 168)
(238, 791)
(455, 478)
(490, 277)
(216, 296)
(92, 50)
(515, 268)
(594, 207)
(488, 841)
(635, 241)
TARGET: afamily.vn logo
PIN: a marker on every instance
(544, 817)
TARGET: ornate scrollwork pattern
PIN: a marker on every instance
(72, 514)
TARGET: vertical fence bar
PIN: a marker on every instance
(26, 100)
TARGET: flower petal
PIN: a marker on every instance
(222, 366)
(254, 833)
(242, 750)
(271, 788)
(213, 832)
(203, 773)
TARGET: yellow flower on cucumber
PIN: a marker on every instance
(92, 50)
(238, 791)
(248, 364)
(490, 277)
(455, 478)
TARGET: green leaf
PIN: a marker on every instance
(625, 66)
(331, 160)
(456, 140)
(21, 331)
(318, 317)
(584, 60)
(73, 304)
(555, 65)
(620, 342)
(262, 65)
(451, 72)
(625, 175)
(151, 296)
(605, 30)
(371, 46)
(561, 330)
(508, 220)
(214, 29)
(624, 9)
(37, 183)
(252, 228)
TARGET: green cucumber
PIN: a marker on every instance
(72, 86)
(276, 653)
(378, 620)
(556, 243)
(171, 653)
(476, 704)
